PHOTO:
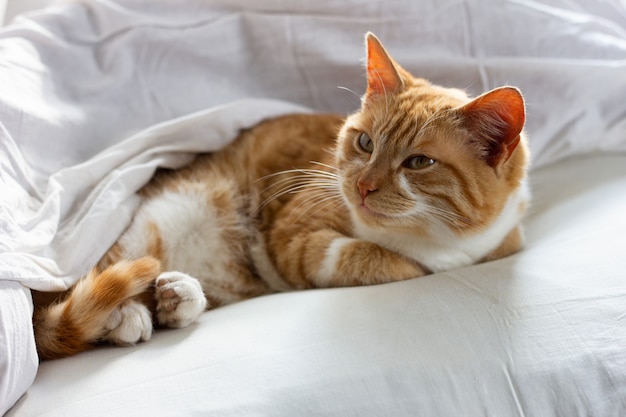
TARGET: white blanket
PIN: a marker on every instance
(94, 95)
(79, 81)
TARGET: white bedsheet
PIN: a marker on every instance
(95, 94)
(541, 333)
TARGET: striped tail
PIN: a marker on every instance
(76, 323)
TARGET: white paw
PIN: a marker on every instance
(129, 323)
(180, 299)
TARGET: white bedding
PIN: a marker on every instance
(538, 334)
(95, 94)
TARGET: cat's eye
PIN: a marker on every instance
(418, 162)
(365, 143)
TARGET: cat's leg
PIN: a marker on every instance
(99, 307)
(326, 258)
(130, 323)
(180, 299)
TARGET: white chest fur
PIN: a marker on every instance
(190, 232)
(445, 250)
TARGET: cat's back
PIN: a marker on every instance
(272, 146)
(284, 143)
(207, 207)
(264, 159)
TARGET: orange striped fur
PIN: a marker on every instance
(420, 179)
(74, 324)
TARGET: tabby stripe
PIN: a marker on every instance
(391, 127)
(451, 202)
(469, 191)
(328, 269)
(406, 132)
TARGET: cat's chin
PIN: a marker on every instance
(366, 213)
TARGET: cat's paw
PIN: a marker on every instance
(130, 323)
(180, 299)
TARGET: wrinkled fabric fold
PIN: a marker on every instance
(78, 83)
(95, 95)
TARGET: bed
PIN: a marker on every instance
(95, 95)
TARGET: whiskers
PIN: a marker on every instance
(321, 187)
(353, 94)
(447, 217)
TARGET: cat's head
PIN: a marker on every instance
(419, 157)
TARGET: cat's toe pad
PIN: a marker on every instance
(180, 299)
(130, 323)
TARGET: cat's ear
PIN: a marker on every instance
(382, 74)
(496, 120)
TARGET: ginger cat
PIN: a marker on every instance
(420, 179)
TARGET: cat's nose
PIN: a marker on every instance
(365, 187)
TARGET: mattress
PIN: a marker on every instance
(540, 333)
(95, 95)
